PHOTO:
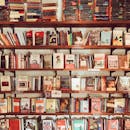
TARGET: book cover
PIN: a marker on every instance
(123, 83)
(110, 105)
(84, 105)
(58, 61)
(25, 105)
(35, 61)
(106, 36)
(48, 83)
(39, 38)
(113, 62)
(53, 39)
(5, 83)
(64, 105)
(75, 84)
(14, 124)
(127, 124)
(113, 124)
(95, 124)
(90, 83)
(3, 105)
(4, 124)
(96, 105)
(69, 61)
(103, 83)
(47, 61)
(51, 105)
(117, 38)
(99, 61)
(56, 83)
(16, 104)
(122, 61)
(65, 82)
(22, 83)
(78, 124)
(119, 105)
(61, 124)
(84, 61)
(40, 105)
(111, 83)
(47, 124)
(29, 38)
(31, 124)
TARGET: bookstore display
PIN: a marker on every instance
(64, 65)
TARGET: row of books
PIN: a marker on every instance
(64, 124)
(56, 37)
(70, 10)
(89, 105)
(64, 61)
(64, 82)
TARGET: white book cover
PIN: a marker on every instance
(25, 105)
(99, 61)
(31, 124)
(5, 83)
(47, 124)
(58, 61)
(75, 84)
(22, 83)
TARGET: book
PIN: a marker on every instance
(64, 105)
(122, 61)
(51, 105)
(106, 36)
(99, 61)
(117, 37)
(111, 83)
(40, 105)
(75, 84)
(110, 105)
(61, 124)
(127, 38)
(31, 124)
(25, 105)
(127, 124)
(123, 83)
(69, 61)
(119, 105)
(5, 83)
(4, 124)
(96, 105)
(39, 38)
(58, 61)
(65, 82)
(2, 3)
(90, 83)
(113, 124)
(78, 124)
(84, 105)
(113, 62)
(22, 83)
(3, 105)
(47, 61)
(16, 105)
(84, 61)
(95, 124)
(17, 123)
(47, 124)
(29, 38)
(35, 61)
(47, 83)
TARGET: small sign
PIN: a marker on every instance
(56, 93)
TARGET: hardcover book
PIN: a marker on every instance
(90, 83)
(113, 124)
(84, 61)
(84, 105)
(16, 104)
(39, 38)
(58, 61)
(4, 124)
(127, 124)
(65, 82)
(110, 105)
(40, 105)
(14, 124)
(51, 105)
(3, 105)
(47, 83)
(47, 61)
(64, 105)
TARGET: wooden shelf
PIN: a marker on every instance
(67, 47)
(67, 24)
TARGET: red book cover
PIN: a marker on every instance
(16, 105)
(113, 124)
(29, 37)
(95, 105)
(39, 38)
(14, 124)
(61, 124)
